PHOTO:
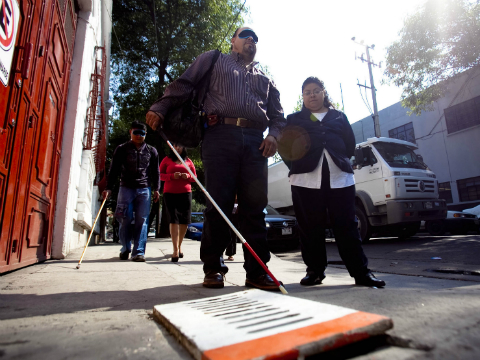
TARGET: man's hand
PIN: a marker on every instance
(154, 120)
(184, 176)
(269, 146)
(106, 194)
(156, 196)
(177, 175)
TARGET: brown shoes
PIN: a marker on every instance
(213, 280)
(263, 282)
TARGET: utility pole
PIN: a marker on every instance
(375, 116)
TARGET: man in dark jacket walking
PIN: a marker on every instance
(136, 163)
(241, 103)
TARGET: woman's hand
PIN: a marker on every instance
(184, 176)
(177, 175)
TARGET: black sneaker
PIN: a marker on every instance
(124, 255)
(138, 258)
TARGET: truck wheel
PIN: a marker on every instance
(408, 230)
(364, 227)
(435, 227)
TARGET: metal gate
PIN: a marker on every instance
(32, 107)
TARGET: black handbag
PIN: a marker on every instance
(185, 124)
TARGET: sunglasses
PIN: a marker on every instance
(245, 34)
(139, 132)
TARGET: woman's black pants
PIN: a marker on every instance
(310, 207)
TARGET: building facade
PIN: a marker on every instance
(79, 177)
(49, 53)
(448, 138)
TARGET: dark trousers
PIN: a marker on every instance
(232, 246)
(233, 165)
(310, 207)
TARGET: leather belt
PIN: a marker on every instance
(242, 122)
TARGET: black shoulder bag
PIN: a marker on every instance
(185, 124)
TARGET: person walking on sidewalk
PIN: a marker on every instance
(177, 193)
(136, 163)
(240, 104)
(321, 178)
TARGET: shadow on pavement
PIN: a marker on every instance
(14, 306)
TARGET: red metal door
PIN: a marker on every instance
(33, 106)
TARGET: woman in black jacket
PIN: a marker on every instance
(316, 146)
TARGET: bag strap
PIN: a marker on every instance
(208, 75)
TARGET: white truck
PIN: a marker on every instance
(395, 190)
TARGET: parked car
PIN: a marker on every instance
(194, 230)
(282, 230)
(456, 222)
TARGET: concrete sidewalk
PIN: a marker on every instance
(103, 310)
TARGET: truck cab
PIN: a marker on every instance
(395, 189)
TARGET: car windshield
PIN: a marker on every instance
(397, 155)
(270, 211)
(197, 218)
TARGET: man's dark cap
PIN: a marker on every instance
(138, 125)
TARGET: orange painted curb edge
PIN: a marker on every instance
(305, 341)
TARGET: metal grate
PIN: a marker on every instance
(411, 185)
(253, 316)
(95, 130)
(70, 18)
(257, 324)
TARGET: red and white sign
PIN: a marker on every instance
(9, 18)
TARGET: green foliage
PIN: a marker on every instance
(158, 40)
(154, 41)
(438, 42)
(299, 105)
(197, 207)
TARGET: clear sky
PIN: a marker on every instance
(305, 38)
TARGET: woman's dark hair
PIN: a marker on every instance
(172, 155)
(314, 80)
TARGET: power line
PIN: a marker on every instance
(113, 28)
(233, 22)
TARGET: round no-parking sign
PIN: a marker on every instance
(9, 17)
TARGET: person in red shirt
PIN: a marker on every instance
(177, 192)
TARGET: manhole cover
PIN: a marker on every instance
(257, 324)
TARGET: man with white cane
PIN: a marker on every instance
(240, 104)
(136, 163)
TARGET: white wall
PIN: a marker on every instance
(76, 198)
(451, 156)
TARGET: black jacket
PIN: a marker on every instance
(138, 168)
(333, 133)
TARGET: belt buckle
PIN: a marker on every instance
(239, 121)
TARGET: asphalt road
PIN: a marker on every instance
(438, 316)
(444, 257)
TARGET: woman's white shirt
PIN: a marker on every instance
(313, 180)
